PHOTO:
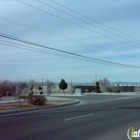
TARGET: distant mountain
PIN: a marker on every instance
(125, 82)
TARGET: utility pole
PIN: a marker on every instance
(71, 86)
(42, 86)
(95, 78)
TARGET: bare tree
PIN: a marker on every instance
(49, 83)
(32, 84)
(104, 82)
(23, 86)
(5, 86)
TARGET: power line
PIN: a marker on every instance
(87, 22)
(43, 51)
(93, 20)
(69, 53)
(40, 50)
(58, 35)
(76, 24)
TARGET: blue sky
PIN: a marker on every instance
(115, 39)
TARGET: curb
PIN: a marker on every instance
(10, 102)
(39, 108)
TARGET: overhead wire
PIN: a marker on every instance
(48, 52)
(25, 25)
(76, 24)
(40, 50)
(87, 22)
(81, 56)
(94, 20)
(69, 53)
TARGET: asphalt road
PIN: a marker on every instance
(103, 118)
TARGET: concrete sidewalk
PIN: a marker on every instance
(113, 93)
(93, 93)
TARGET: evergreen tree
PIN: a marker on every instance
(41, 89)
(97, 87)
(63, 85)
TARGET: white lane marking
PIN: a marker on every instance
(78, 117)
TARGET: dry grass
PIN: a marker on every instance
(18, 105)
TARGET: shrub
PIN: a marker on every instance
(8, 93)
(39, 88)
(117, 91)
(86, 90)
(99, 92)
(37, 100)
(41, 100)
(110, 90)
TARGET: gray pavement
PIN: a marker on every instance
(65, 96)
(101, 121)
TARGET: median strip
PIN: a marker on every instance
(79, 117)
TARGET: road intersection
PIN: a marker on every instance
(96, 117)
